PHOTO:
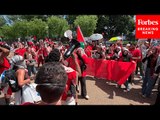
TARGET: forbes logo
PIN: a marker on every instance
(148, 22)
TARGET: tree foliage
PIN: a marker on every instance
(32, 17)
(57, 26)
(87, 24)
(8, 32)
(71, 18)
(38, 28)
(2, 22)
(115, 25)
(21, 28)
(54, 26)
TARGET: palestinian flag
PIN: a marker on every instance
(80, 37)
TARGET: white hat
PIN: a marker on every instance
(125, 49)
(146, 42)
(119, 47)
(128, 45)
(18, 61)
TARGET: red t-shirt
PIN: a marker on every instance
(71, 79)
(37, 48)
(136, 53)
(40, 51)
(5, 65)
(20, 51)
(45, 52)
(72, 64)
(33, 48)
(88, 50)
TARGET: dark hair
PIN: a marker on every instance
(54, 56)
(51, 79)
(5, 46)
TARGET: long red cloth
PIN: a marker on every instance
(110, 69)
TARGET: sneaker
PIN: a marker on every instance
(11, 103)
(86, 97)
(126, 90)
(144, 96)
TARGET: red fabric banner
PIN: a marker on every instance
(110, 70)
(91, 67)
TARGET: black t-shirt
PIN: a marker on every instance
(126, 58)
(149, 60)
(99, 54)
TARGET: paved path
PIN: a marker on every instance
(103, 93)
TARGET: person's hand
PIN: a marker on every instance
(133, 61)
(108, 57)
(149, 53)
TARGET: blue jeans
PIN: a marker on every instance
(31, 69)
(147, 83)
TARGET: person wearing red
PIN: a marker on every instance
(21, 49)
(45, 51)
(5, 65)
(68, 98)
(32, 46)
(40, 54)
(69, 93)
(88, 50)
(82, 61)
(137, 57)
(139, 63)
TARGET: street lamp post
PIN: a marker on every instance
(122, 36)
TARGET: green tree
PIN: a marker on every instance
(38, 28)
(14, 18)
(31, 17)
(2, 21)
(57, 26)
(87, 23)
(70, 19)
(21, 28)
(8, 32)
(115, 25)
(1, 34)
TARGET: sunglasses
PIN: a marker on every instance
(50, 84)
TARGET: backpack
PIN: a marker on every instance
(8, 76)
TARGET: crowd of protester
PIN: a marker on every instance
(58, 80)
